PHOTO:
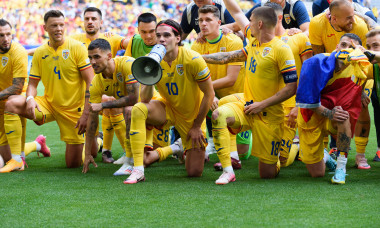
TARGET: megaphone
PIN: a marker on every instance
(147, 69)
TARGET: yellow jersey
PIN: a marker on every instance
(300, 45)
(114, 87)
(268, 67)
(115, 41)
(14, 64)
(59, 71)
(322, 33)
(226, 43)
(178, 85)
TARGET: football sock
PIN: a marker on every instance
(235, 155)
(341, 160)
(128, 151)
(107, 132)
(326, 142)
(141, 168)
(17, 157)
(100, 143)
(174, 148)
(137, 132)
(233, 146)
(31, 146)
(326, 156)
(361, 143)
(23, 137)
(164, 152)
(13, 132)
(228, 169)
(292, 154)
(119, 127)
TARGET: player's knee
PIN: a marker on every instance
(140, 111)
(73, 164)
(218, 118)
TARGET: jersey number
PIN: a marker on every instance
(165, 134)
(252, 65)
(172, 88)
(58, 72)
(275, 147)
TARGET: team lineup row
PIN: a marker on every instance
(256, 96)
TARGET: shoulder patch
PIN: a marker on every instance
(285, 39)
(203, 71)
(290, 62)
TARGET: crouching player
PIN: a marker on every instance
(185, 76)
(113, 78)
(329, 95)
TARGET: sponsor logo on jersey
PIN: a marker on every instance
(223, 49)
(285, 39)
(287, 18)
(266, 51)
(179, 68)
(331, 35)
(4, 61)
(170, 74)
(44, 57)
(119, 76)
(65, 54)
(55, 57)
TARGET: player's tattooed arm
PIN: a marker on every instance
(129, 100)
(14, 89)
(92, 125)
(336, 114)
(317, 49)
(225, 57)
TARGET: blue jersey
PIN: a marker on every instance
(190, 16)
(294, 16)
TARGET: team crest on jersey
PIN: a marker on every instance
(65, 54)
(285, 39)
(4, 61)
(223, 49)
(266, 51)
(287, 18)
(119, 76)
(179, 68)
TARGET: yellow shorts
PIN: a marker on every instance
(232, 98)
(66, 120)
(3, 137)
(311, 135)
(182, 126)
(266, 137)
(369, 87)
(287, 137)
(161, 137)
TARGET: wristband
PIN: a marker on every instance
(369, 55)
(29, 98)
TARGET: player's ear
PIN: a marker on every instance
(280, 18)
(109, 55)
(44, 26)
(220, 22)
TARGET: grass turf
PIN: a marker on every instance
(49, 195)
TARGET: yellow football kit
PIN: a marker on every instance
(322, 33)
(63, 99)
(14, 64)
(115, 41)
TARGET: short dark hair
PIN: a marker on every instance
(277, 7)
(146, 18)
(93, 9)
(100, 43)
(4, 22)
(352, 37)
(176, 28)
(373, 33)
(338, 3)
(266, 14)
(210, 9)
(53, 13)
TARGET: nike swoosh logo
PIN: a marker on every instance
(219, 149)
(9, 132)
(45, 57)
(133, 133)
(330, 35)
(195, 57)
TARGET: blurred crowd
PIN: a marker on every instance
(119, 17)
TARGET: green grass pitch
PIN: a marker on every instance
(49, 195)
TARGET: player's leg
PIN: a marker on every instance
(376, 114)
(287, 142)
(243, 144)
(361, 138)
(118, 124)
(5, 150)
(142, 114)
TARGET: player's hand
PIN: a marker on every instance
(88, 159)
(358, 46)
(365, 100)
(96, 107)
(31, 105)
(214, 104)
(82, 124)
(254, 108)
(292, 117)
(108, 34)
(201, 39)
(197, 138)
(294, 31)
(339, 115)
(226, 31)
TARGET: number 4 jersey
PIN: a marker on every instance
(59, 71)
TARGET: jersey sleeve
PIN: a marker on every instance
(20, 69)
(199, 68)
(127, 71)
(314, 31)
(286, 64)
(196, 47)
(186, 27)
(96, 90)
(300, 13)
(116, 42)
(82, 57)
(35, 70)
(235, 45)
(305, 45)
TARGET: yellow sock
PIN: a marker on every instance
(107, 132)
(164, 152)
(233, 146)
(118, 125)
(326, 142)
(287, 141)
(23, 137)
(361, 144)
(127, 146)
(13, 132)
(29, 148)
(292, 154)
(100, 142)
(221, 136)
(138, 132)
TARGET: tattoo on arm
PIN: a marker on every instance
(14, 89)
(328, 113)
(87, 94)
(225, 57)
(131, 99)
